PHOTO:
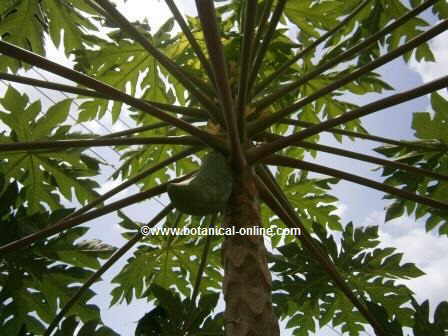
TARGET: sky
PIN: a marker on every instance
(359, 204)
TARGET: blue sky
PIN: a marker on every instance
(358, 204)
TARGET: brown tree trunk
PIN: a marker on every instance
(247, 280)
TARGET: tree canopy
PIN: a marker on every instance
(257, 81)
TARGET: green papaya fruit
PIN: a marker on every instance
(208, 191)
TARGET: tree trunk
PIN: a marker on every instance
(247, 280)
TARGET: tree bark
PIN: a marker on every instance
(247, 281)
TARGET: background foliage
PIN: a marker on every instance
(37, 185)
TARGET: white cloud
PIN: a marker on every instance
(341, 209)
(433, 70)
(428, 251)
(430, 254)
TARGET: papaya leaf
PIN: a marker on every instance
(173, 315)
(423, 325)
(64, 16)
(166, 261)
(45, 175)
(126, 66)
(431, 130)
(370, 271)
(311, 194)
(310, 16)
(71, 326)
(22, 22)
(36, 282)
(440, 8)
(25, 23)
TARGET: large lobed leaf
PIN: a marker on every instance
(25, 23)
(44, 174)
(36, 282)
(306, 293)
(174, 315)
(127, 66)
(72, 326)
(431, 130)
(167, 261)
(310, 198)
(423, 324)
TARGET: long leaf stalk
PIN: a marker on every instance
(245, 64)
(364, 158)
(367, 136)
(194, 113)
(103, 269)
(272, 147)
(71, 117)
(207, 16)
(189, 111)
(177, 220)
(189, 35)
(146, 128)
(183, 110)
(64, 144)
(273, 197)
(135, 130)
(373, 159)
(279, 160)
(82, 79)
(276, 74)
(201, 269)
(203, 263)
(420, 39)
(194, 85)
(269, 35)
(262, 24)
(93, 5)
(199, 275)
(51, 85)
(360, 47)
(83, 218)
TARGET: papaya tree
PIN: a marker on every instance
(227, 108)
